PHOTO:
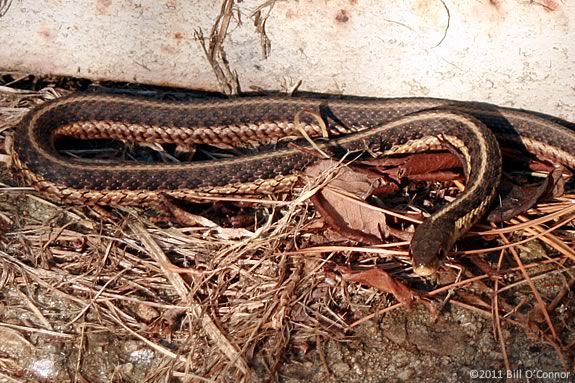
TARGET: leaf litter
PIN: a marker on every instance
(211, 303)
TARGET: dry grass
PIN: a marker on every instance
(219, 303)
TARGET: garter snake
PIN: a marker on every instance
(379, 126)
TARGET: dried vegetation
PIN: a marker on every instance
(87, 295)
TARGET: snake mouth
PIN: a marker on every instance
(430, 266)
(425, 270)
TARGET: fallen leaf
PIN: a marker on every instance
(351, 217)
(341, 203)
(189, 219)
(379, 279)
(345, 178)
(418, 166)
(516, 199)
(518, 159)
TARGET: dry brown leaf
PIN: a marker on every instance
(419, 166)
(346, 178)
(379, 279)
(189, 219)
(516, 199)
(341, 204)
(350, 216)
(517, 159)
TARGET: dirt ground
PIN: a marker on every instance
(91, 295)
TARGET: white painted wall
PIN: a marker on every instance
(512, 52)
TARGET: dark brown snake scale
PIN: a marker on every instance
(380, 126)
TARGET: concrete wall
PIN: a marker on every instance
(510, 52)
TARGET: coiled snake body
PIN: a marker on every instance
(380, 126)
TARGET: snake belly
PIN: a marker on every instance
(377, 126)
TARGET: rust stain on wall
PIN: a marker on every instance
(102, 6)
(291, 14)
(342, 16)
(172, 4)
(495, 3)
(490, 13)
(168, 49)
(549, 5)
(172, 44)
(496, 11)
(47, 34)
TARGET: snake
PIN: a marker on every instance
(359, 126)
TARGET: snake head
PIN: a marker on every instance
(431, 243)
